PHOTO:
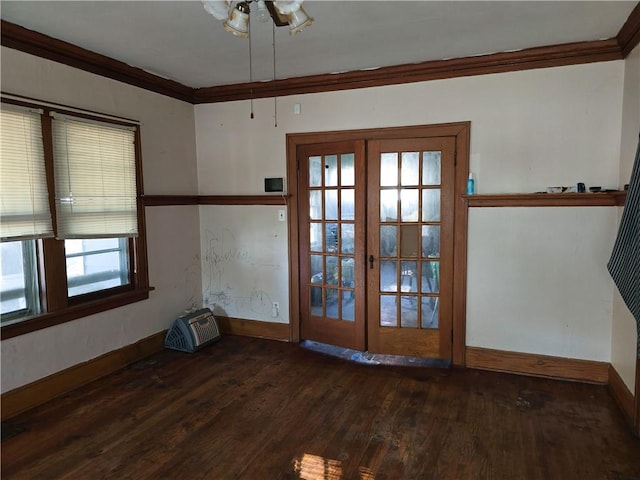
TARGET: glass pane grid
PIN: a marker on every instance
(332, 237)
(410, 240)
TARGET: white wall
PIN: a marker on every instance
(623, 344)
(169, 163)
(529, 130)
(243, 269)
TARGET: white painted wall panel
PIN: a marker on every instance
(245, 262)
(537, 280)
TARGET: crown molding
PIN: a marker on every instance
(35, 43)
(539, 57)
(629, 35)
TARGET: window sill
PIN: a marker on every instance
(601, 199)
(50, 319)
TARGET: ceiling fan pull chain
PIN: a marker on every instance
(275, 99)
(250, 69)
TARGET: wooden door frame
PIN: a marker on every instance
(461, 131)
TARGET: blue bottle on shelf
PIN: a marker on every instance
(471, 185)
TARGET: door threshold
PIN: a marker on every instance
(368, 358)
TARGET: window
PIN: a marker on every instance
(96, 264)
(19, 295)
(81, 170)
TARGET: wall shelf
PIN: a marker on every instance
(600, 199)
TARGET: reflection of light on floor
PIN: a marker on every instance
(314, 467)
(366, 474)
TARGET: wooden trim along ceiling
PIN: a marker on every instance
(35, 43)
(629, 35)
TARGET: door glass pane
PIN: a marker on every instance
(315, 237)
(389, 205)
(347, 238)
(315, 205)
(388, 276)
(331, 171)
(409, 240)
(347, 272)
(388, 241)
(409, 205)
(409, 312)
(409, 170)
(429, 312)
(331, 237)
(389, 169)
(409, 277)
(431, 277)
(431, 205)
(431, 241)
(332, 270)
(316, 301)
(316, 268)
(388, 311)
(315, 171)
(347, 171)
(348, 306)
(431, 168)
(331, 205)
(347, 211)
(332, 303)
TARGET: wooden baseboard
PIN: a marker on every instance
(253, 328)
(621, 394)
(537, 365)
(29, 396)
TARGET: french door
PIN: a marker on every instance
(332, 237)
(376, 244)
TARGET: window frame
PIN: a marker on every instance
(31, 290)
(56, 305)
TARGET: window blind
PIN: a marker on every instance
(95, 177)
(24, 210)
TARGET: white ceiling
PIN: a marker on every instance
(180, 41)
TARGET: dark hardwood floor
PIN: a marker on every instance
(257, 409)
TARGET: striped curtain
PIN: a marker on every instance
(624, 265)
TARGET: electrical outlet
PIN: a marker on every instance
(281, 215)
(275, 309)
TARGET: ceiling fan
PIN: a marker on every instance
(235, 14)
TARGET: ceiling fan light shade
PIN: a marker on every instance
(285, 7)
(218, 8)
(298, 21)
(238, 20)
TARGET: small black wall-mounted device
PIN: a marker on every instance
(274, 184)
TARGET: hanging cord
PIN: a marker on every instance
(275, 99)
(250, 69)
